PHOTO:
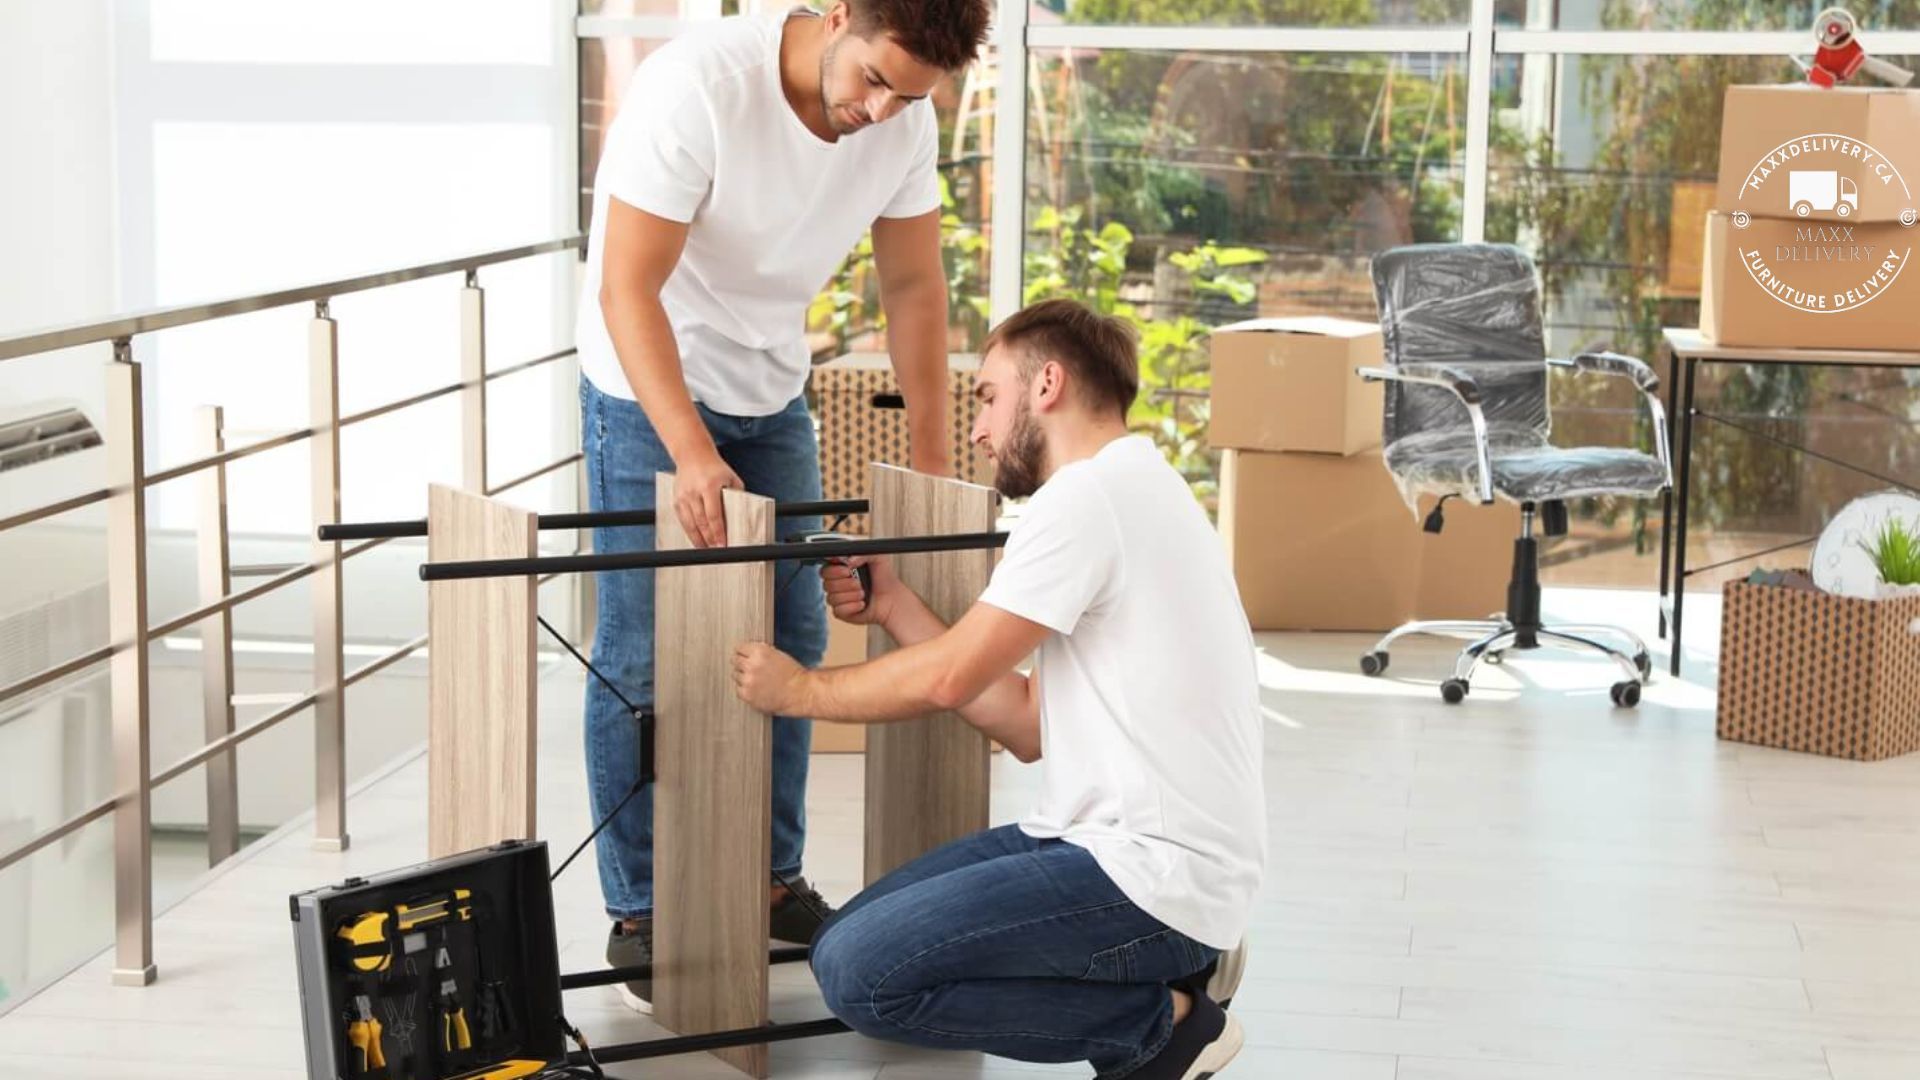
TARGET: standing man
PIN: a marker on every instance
(748, 159)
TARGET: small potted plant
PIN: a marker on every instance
(1895, 551)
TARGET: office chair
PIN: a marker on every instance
(1466, 416)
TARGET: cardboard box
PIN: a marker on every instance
(1797, 151)
(863, 419)
(1790, 283)
(1288, 384)
(1810, 671)
(1324, 542)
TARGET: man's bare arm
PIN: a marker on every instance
(913, 293)
(640, 253)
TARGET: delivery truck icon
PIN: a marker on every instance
(1821, 189)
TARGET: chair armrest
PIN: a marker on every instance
(1462, 386)
(1628, 367)
(1608, 362)
(1444, 376)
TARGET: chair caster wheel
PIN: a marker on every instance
(1625, 694)
(1373, 663)
(1454, 691)
(1644, 663)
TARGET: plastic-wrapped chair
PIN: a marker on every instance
(1466, 416)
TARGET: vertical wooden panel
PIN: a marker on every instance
(481, 728)
(713, 801)
(927, 779)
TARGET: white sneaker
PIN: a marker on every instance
(1227, 970)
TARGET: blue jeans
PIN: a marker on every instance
(1003, 944)
(776, 456)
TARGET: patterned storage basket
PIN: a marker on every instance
(863, 420)
(1833, 675)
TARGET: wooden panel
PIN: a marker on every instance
(480, 718)
(713, 801)
(927, 778)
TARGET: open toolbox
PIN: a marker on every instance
(444, 970)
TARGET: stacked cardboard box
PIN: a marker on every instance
(1816, 217)
(1315, 528)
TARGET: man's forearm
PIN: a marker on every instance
(1003, 711)
(917, 340)
(650, 357)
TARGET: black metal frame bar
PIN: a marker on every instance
(387, 530)
(790, 954)
(717, 1040)
(1673, 517)
(656, 560)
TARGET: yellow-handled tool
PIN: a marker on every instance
(453, 1020)
(368, 947)
(457, 904)
(363, 1034)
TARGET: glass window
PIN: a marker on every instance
(1184, 190)
(1348, 13)
(1604, 168)
(1713, 15)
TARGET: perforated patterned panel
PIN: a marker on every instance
(1819, 673)
(862, 420)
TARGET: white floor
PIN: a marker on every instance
(1530, 886)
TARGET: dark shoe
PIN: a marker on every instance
(799, 914)
(1201, 1046)
(633, 948)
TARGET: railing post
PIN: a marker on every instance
(329, 660)
(216, 642)
(473, 397)
(127, 603)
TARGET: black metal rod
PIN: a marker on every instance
(718, 1040)
(1786, 444)
(608, 976)
(387, 530)
(656, 560)
(1696, 571)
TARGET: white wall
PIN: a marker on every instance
(162, 152)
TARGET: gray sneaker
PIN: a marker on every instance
(799, 915)
(633, 948)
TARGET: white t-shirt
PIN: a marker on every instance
(705, 135)
(1150, 723)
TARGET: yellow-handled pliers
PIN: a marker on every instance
(363, 1033)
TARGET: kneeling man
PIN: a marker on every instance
(1105, 926)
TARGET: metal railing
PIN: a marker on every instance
(131, 632)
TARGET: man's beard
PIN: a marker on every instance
(826, 105)
(1019, 464)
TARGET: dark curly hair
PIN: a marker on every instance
(946, 34)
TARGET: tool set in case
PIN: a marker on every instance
(443, 971)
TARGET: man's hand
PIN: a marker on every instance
(697, 500)
(845, 596)
(766, 678)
